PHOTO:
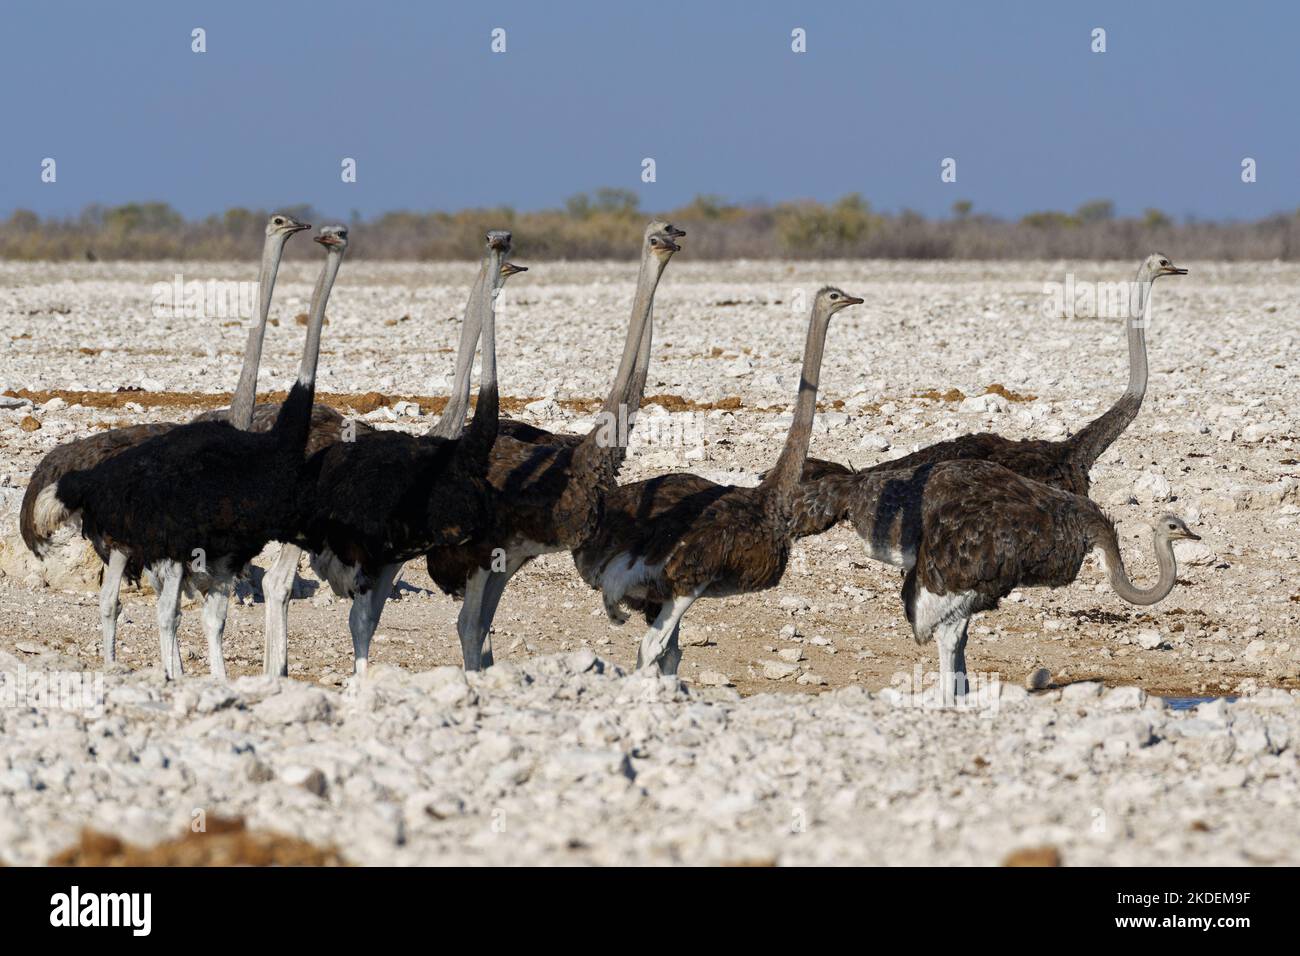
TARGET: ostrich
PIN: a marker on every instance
(195, 504)
(41, 515)
(548, 495)
(277, 583)
(389, 497)
(669, 541)
(1062, 464)
(967, 533)
(522, 431)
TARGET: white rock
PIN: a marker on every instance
(1149, 640)
(713, 679)
(779, 670)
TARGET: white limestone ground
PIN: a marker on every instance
(712, 778)
(563, 759)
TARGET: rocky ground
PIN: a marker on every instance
(937, 350)
(563, 759)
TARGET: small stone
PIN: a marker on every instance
(777, 670)
(815, 680)
(583, 660)
(713, 679)
(1124, 698)
(1149, 640)
(29, 424)
(792, 655)
(1039, 679)
(1081, 691)
(309, 778)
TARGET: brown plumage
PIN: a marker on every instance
(967, 533)
(666, 542)
(1062, 464)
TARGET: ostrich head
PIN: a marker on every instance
(661, 238)
(284, 226)
(499, 239)
(333, 238)
(1174, 528)
(830, 300)
(509, 268)
(1158, 264)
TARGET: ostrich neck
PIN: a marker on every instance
(652, 268)
(487, 410)
(316, 319)
(1119, 579)
(640, 374)
(241, 406)
(785, 475)
(452, 422)
(1100, 434)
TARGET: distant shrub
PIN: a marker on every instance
(607, 224)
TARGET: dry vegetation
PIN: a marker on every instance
(604, 225)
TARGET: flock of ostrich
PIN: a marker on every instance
(188, 506)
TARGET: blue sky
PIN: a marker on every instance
(711, 91)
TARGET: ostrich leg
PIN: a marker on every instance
(492, 592)
(660, 635)
(110, 604)
(168, 577)
(215, 604)
(277, 589)
(364, 616)
(950, 636)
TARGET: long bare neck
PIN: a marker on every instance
(452, 422)
(641, 372)
(241, 406)
(293, 423)
(785, 475)
(487, 410)
(652, 267)
(316, 318)
(1092, 441)
(1119, 579)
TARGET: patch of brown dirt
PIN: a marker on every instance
(675, 403)
(29, 424)
(952, 395)
(227, 842)
(1034, 856)
(998, 389)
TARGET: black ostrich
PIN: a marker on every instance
(389, 496)
(194, 505)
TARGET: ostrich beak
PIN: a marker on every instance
(300, 227)
(329, 240)
(1172, 271)
(853, 300)
(675, 232)
(1192, 536)
(670, 245)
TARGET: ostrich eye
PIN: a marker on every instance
(279, 221)
(835, 295)
(1164, 262)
